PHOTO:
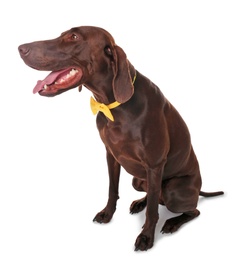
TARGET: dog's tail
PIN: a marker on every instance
(211, 194)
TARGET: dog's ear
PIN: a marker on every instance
(122, 84)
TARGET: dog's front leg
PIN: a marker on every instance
(146, 238)
(114, 167)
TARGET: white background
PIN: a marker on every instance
(53, 172)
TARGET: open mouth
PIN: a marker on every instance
(58, 81)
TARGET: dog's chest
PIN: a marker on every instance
(117, 138)
(125, 146)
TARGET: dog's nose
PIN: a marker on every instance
(23, 49)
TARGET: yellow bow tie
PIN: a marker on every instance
(105, 109)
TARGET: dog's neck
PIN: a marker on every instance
(100, 90)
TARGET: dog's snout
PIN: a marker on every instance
(24, 49)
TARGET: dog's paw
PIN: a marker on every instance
(137, 206)
(173, 224)
(102, 217)
(169, 227)
(143, 242)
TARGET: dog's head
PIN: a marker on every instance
(80, 56)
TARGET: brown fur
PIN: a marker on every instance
(148, 138)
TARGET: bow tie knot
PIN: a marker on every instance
(105, 109)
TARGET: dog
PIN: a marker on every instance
(140, 128)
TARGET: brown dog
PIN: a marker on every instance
(141, 130)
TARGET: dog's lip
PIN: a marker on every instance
(59, 80)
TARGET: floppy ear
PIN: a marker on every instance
(122, 85)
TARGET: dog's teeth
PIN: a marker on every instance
(72, 72)
(45, 86)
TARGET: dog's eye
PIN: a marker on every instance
(74, 37)
(108, 51)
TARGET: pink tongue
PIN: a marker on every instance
(48, 80)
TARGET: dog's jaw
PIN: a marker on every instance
(58, 82)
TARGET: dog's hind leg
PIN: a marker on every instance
(173, 224)
(139, 185)
(138, 205)
(181, 196)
